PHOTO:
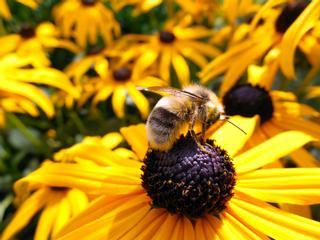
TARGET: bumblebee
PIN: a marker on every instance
(179, 111)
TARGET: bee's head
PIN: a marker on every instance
(214, 112)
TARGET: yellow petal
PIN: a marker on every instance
(30, 3)
(164, 66)
(102, 67)
(25, 213)
(29, 91)
(139, 99)
(45, 221)
(118, 101)
(9, 43)
(293, 35)
(78, 201)
(103, 94)
(230, 138)
(240, 64)
(145, 61)
(303, 211)
(240, 230)
(313, 92)
(149, 231)
(49, 76)
(304, 159)
(272, 221)
(181, 68)
(291, 122)
(188, 229)
(111, 224)
(4, 9)
(192, 55)
(112, 140)
(167, 228)
(136, 136)
(62, 215)
(295, 186)
(153, 219)
(266, 152)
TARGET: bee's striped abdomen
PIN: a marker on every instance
(162, 127)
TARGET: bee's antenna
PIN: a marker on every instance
(226, 118)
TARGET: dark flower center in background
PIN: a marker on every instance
(122, 74)
(247, 100)
(289, 14)
(95, 50)
(26, 31)
(88, 2)
(187, 180)
(59, 189)
(166, 37)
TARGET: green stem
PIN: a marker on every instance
(308, 79)
(24, 130)
(77, 121)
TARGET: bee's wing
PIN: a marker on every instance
(165, 91)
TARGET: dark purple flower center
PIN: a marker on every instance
(247, 100)
(189, 180)
(166, 37)
(289, 14)
(26, 31)
(95, 50)
(122, 74)
(88, 2)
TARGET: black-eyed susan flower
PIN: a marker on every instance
(285, 27)
(199, 9)
(56, 205)
(95, 58)
(49, 195)
(177, 43)
(106, 147)
(189, 193)
(86, 20)
(140, 6)
(5, 11)
(278, 111)
(118, 81)
(234, 9)
(18, 92)
(34, 42)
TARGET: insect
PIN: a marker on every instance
(179, 110)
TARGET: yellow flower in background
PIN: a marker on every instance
(95, 58)
(42, 192)
(56, 206)
(140, 6)
(5, 11)
(18, 92)
(177, 197)
(33, 43)
(208, 9)
(274, 36)
(119, 81)
(199, 9)
(235, 8)
(86, 20)
(278, 111)
(106, 147)
(173, 46)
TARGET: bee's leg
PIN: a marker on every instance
(203, 131)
